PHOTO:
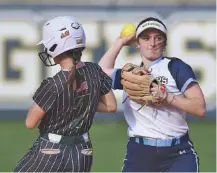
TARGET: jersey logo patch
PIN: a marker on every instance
(83, 87)
(162, 79)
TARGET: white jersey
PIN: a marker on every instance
(163, 121)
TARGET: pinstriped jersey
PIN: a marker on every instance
(71, 112)
(164, 121)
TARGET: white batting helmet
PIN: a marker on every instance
(60, 35)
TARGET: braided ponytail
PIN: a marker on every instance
(76, 56)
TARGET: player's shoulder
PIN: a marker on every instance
(48, 82)
(172, 59)
(174, 62)
(45, 85)
(175, 65)
(93, 64)
(90, 63)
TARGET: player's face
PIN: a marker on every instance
(151, 43)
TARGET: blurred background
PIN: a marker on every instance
(191, 37)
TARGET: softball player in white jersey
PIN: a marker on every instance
(158, 135)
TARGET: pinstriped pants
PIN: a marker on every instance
(71, 158)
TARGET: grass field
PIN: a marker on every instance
(109, 140)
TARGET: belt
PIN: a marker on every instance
(65, 139)
(160, 142)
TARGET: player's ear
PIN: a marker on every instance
(58, 58)
(137, 45)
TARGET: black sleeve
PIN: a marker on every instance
(45, 95)
(106, 83)
(182, 73)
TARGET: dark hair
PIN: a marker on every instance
(75, 54)
(153, 19)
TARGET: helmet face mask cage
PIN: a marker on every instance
(46, 58)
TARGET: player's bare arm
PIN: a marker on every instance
(107, 103)
(107, 62)
(34, 116)
(193, 101)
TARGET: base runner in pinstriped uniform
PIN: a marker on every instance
(65, 104)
